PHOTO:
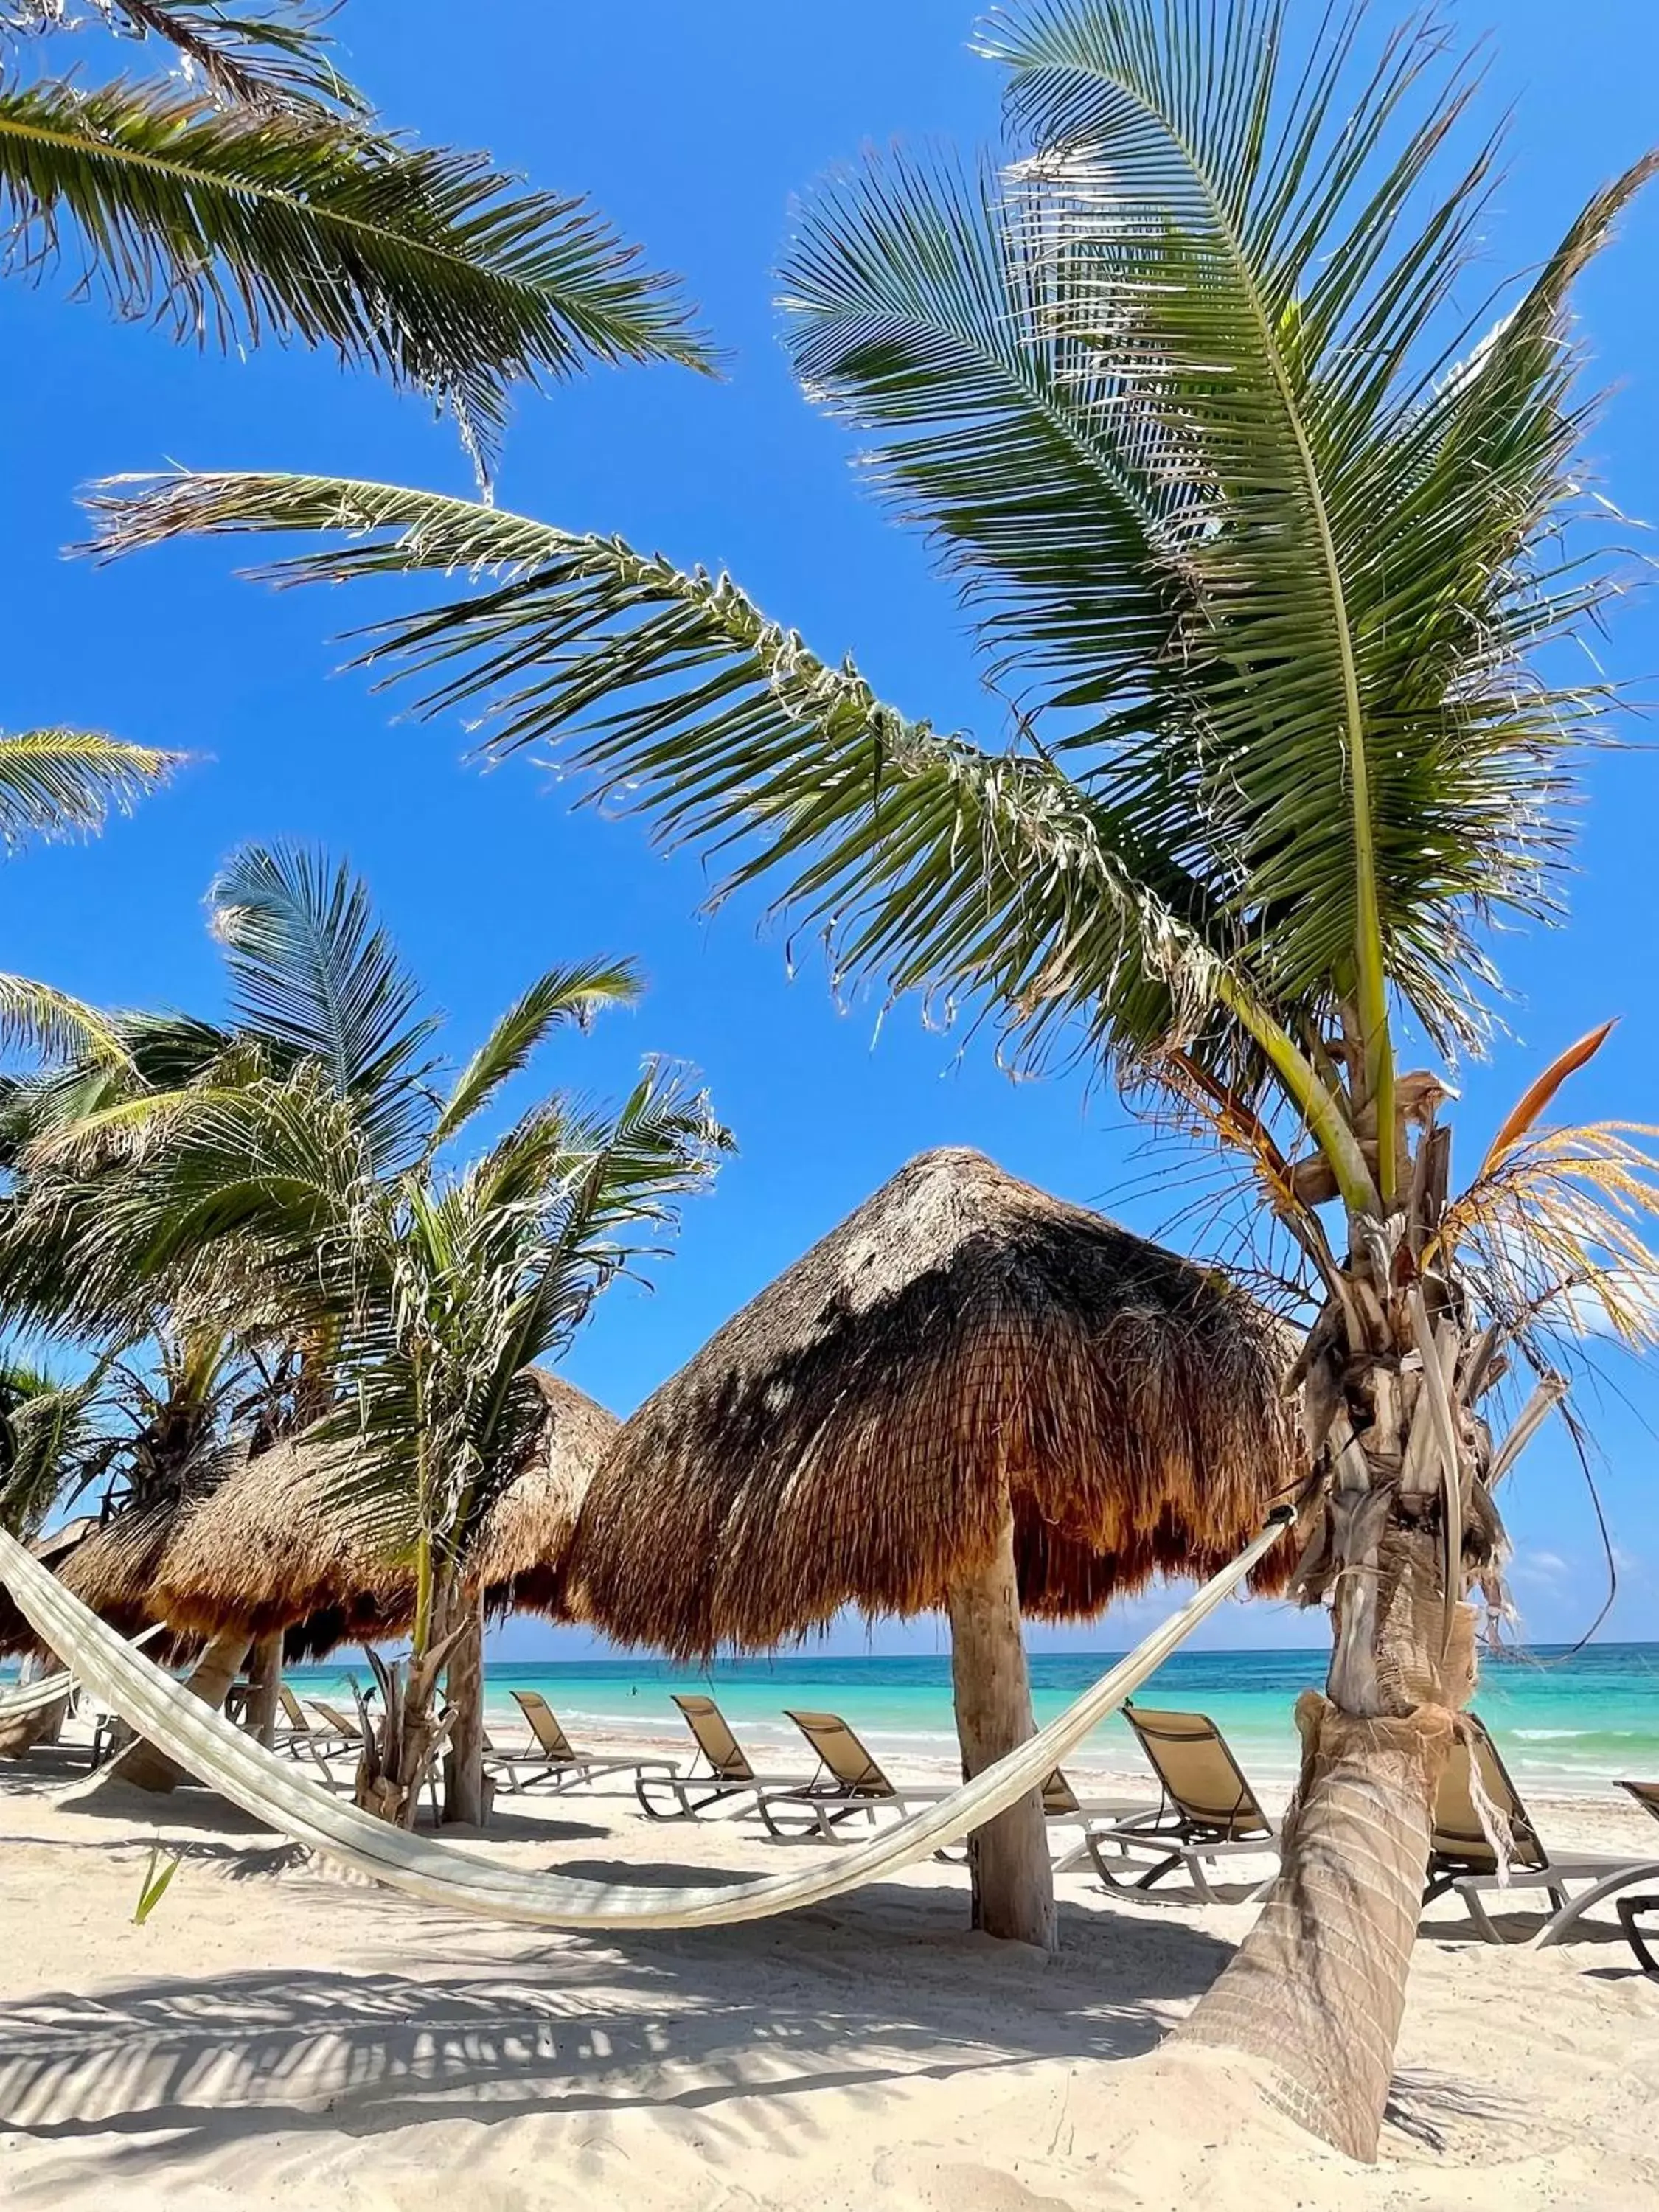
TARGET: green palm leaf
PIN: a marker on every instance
(319, 981)
(229, 225)
(51, 1022)
(254, 57)
(563, 995)
(56, 783)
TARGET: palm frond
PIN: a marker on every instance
(227, 225)
(59, 783)
(315, 976)
(928, 303)
(253, 57)
(563, 995)
(50, 1022)
(50, 1440)
(931, 862)
(1551, 1234)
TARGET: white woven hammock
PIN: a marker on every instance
(273, 1791)
(33, 1696)
(17, 1704)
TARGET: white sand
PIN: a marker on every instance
(276, 2036)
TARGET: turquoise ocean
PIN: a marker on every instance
(1563, 1721)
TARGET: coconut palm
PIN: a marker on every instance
(1275, 540)
(461, 1282)
(294, 1180)
(255, 196)
(49, 1440)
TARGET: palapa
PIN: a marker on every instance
(277, 1545)
(971, 1397)
(273, 1545)
(850, 1436)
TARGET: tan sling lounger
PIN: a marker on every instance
(554, 1762)
(338, 1719)
(850, 1783)
(1209, 1810)
(721, 1773)
(302, 1738)
(1461, 1859)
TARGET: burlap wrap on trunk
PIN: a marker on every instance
(1317, 1989)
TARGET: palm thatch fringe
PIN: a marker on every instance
(272, 1548)
(519, 1558)
(850, 1436)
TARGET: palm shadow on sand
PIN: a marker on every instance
(884, 1987)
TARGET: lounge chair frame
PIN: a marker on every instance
(553, 1762)
(849, 1785)
(721, 1773)
(1464, 1864)
(1182, 1832)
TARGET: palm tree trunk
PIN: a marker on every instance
(463, 1774)
(215, 1671)
(408, 1740)
(1012, 1874)
(264, 1686)
(1317, 1989)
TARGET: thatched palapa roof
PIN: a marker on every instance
(524, 1547)
(111, 1566)
(846, 1437)
(269, 1546)
(273, 1548)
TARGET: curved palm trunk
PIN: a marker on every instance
(1009, 1866)
(214, 1673)
(409, 1739)
(464, 1796)
(1318, 1989)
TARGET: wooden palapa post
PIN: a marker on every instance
(1009, 1866)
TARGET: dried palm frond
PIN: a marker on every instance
(1551, 1230)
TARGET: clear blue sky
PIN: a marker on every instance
(692, 128)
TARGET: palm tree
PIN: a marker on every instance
(49, 1442)
(459, 1282)
(255, 197)
(1276, 542)
(290, 1179)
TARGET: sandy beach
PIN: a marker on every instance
(279, 2035)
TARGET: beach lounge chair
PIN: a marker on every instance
(551, 1761)
(848, 1785)
(1463, 1861)
(720, 1771)
(339, 1720)
(1208, 1811)
(1062, 1808)
(301, 1738)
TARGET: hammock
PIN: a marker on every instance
(271, 1791)
(34, 1696)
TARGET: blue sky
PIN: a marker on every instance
(692, 132)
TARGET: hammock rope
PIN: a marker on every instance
(273, 1791)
